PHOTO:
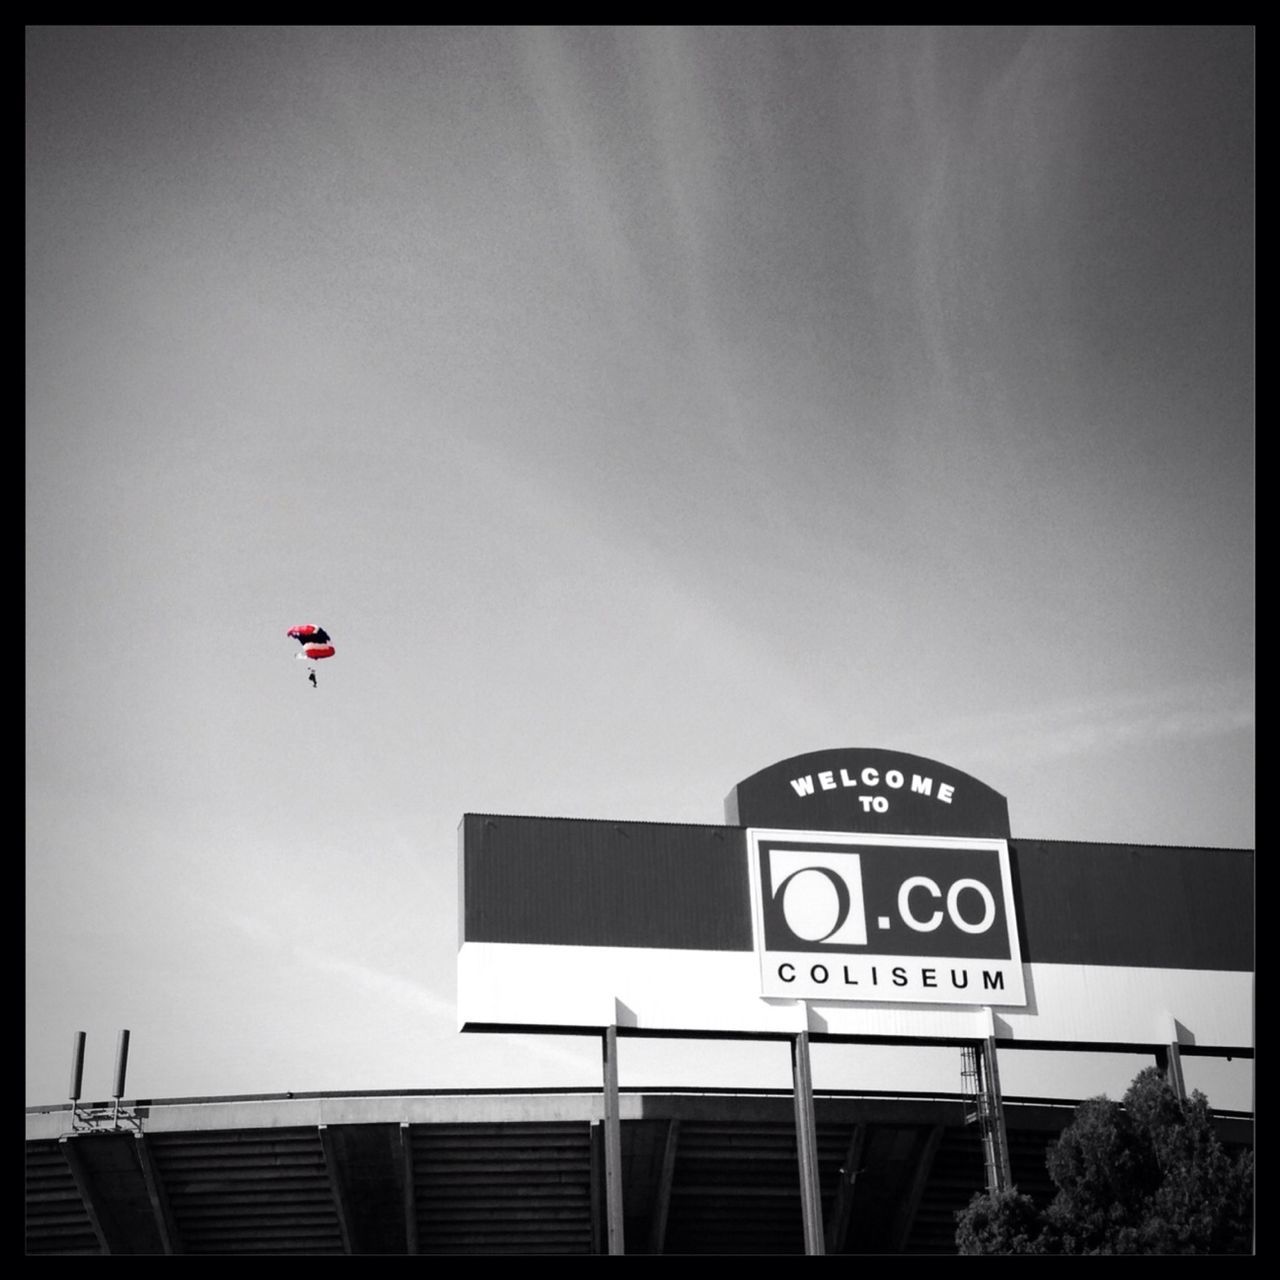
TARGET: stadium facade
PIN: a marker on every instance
(853, 896)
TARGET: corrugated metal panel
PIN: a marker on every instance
(736, 1190)
(1027, 1151)
(492, 1189)
(575, 882)
(958, 1170)
(261, 1192)
(582, 883)
(110, 1175)
(57, 1221)
(1134, 905)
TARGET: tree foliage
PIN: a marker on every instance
(1146, 1176)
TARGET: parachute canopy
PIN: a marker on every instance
(314, 640)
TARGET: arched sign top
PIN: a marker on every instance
(868, 789)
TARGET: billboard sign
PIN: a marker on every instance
(858, 892)
(866, 917)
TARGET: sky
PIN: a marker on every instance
(636, 408)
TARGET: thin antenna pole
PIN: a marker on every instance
(122, 1065)
(77, 1065)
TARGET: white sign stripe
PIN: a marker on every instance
(718, 991)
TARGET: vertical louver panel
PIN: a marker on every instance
(57, 1221)
(503, 1188)
(261, 1192)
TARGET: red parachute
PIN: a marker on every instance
(315, 644)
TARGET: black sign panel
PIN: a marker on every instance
(870, 790)
(917, 901)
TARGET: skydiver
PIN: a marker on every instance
(311, 675)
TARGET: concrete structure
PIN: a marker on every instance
(708, 1172)
(854, 896)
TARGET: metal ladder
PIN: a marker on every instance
(982, 1107)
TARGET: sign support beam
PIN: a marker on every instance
(612, 1144)
(409, 1183)
(1169, 1060)
(807, 1145)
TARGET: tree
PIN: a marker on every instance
(1146, 1176)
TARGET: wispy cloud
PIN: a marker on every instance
(373, 982)
(986, 168)
(391, 988)
(1184, 713)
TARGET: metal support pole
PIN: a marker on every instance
(612, 1143)
(1169, 1060)
(807, 1145)
(409, 1180)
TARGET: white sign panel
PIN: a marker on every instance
(884, 918)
